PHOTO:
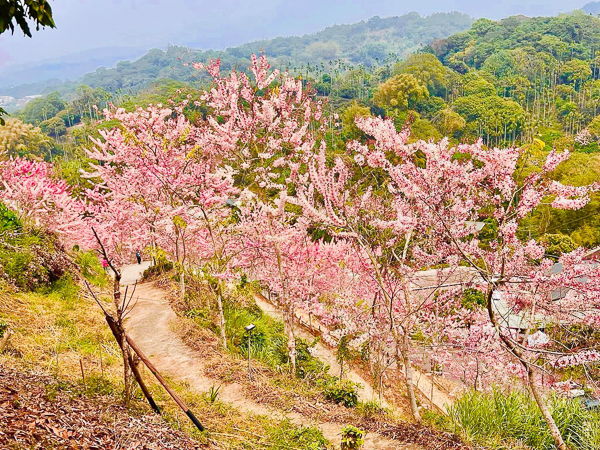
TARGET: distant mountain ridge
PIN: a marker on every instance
(69, 67)
(365, 42)
(592, 8)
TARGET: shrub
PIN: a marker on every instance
(306, 364)
(29, 259)
(557, 244)
(9, 220)
(289, 436)
(370, 408)
(344, 392)
(91, 268)
(352, 438)
(268, 341)
(473, 298)
(202, 317)
(161, 266)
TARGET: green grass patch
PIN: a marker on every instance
(509, 420)
(268, 342)
(287, 436)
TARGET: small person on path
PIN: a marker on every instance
(138, 256)
(104, 264)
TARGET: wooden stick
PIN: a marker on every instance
(5, 337)
(136, 373)
(162, 381)
(82, 374)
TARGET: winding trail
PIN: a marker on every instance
(150, 325)
(423, 381)
(323, 353)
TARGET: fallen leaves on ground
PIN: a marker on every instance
(29, 419)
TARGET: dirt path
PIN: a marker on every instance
(150, 326)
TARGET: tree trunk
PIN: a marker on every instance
(182, 284)
(409, 377)
(221, 318)
(554, 431)
(117, 290)
(126, 377)
(138, 377)
(291, 344)
(121, 338)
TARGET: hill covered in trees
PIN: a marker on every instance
(256, 188)
(367, 42)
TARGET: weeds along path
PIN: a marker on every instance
(423, 381)
(323, 353)
(150, 325)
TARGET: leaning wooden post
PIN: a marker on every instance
(162, 381)
(118, 333)
(136, 373)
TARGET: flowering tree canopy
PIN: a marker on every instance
(380, 242)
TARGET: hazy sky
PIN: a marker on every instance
(89, 24)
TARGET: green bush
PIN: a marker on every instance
(371, 408)
(496, 419)
(29, 259)
(473, 298)
(268, 342)
(352, 438)
(91, 268)
(9, 220)
(287, 436)
(306, 364)
(344, 392)
(161, 266)
(202, 317)
(22, 262)
(557, 244)
(64, 290)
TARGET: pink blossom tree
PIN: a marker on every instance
(397, 238)
(31, 189)
(253, 123)
(171, 189)
(524, 290)
(298, 268)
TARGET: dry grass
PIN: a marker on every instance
(57, 329)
